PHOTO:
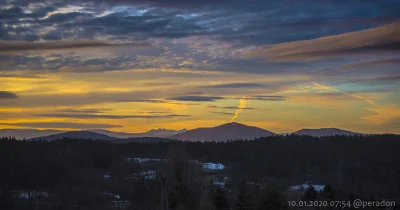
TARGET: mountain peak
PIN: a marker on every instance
(224, 132)
(230, 124)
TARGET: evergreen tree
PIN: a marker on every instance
(272, 199)
(6, 201)
(242, 202)
(219, 199)
(310, 194)
(328, 193)
(206, 202)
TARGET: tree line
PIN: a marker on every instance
(72, 172)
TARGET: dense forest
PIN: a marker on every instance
(89, 174)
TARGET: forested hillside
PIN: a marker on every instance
(66, 173)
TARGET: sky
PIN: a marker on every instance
(136, 65)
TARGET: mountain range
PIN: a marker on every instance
(77, 135)
(225, 132)
(35, 133)
(161, 133)
(27, 133)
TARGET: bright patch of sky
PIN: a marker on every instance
(67, 9)
(130, 10)
(189, 16)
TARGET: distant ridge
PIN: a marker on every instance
(225, 132)
(228, 131)
(161, 133)
(20, 134)
(320, 132)
(76, 135)
(27, 133)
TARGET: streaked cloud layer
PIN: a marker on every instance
(383, 39)
(133, 65)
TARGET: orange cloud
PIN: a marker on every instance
(383, 114)
(383, 38)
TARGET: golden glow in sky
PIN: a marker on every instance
(173, 78)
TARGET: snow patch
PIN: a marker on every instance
(27, 195)
(143, 160)
(116, 196)
(213, 166)
(304, 187)
(147, 174)
(219, 183)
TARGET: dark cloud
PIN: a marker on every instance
(52, 36)
(25, 76)
(65, 17)
(223, 113)
(372, 63)
(94, 62)
(154, 112)
(267, 98)
(62, 125)
(10, 13)
(236, 85)
(20, 46)
(7, 95)
(85, 111)
(170, 3)
(237, 20)
(103, 116)
(77, 100)
(17, 12)
(155, 83)
(230, 107)
(147, 25)
(194, 98)
(142, 101)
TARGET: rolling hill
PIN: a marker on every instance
(325, 132)
(161, 133)
(27, 133)
(76, 135)
(225, 132)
